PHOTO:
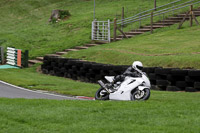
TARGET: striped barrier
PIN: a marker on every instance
(15, 57)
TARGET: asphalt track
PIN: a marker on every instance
(11, 91)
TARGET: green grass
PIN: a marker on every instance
(164, 112)
(24, 24)
(29, 78)
(166, 47)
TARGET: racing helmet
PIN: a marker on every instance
(137, 65)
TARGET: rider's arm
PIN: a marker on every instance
(131, 72)
(128, 71)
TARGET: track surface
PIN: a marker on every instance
(11, 91)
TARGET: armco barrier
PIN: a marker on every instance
(170, 79)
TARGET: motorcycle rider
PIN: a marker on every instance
(133, 71)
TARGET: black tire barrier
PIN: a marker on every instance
(190, 89)
(169, 79)
(173, 88)
(162, 83)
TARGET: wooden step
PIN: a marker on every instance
(155, 26)
(53, 55)
(81, 47)
(183, 15)
(68, 50)
(91, 45)
(61, 53)
(40, 58)
(133, 33)
(142, 30)
(117, 39)
(170, 23)
(122, 36)
(101, 42)
(34, 61)
(175, 18)
(196, 11)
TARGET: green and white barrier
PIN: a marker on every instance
(16, 57)
(13, 57)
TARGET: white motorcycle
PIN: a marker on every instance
(132, 88)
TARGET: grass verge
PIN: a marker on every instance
(164, 112)
(29, 78)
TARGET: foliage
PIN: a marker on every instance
(64, 14)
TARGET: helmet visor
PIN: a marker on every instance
(139, 67)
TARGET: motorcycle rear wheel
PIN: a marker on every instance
(140, 95)
(101, 94)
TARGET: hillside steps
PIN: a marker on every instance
(40, 58)
(160, 24)
(155, 26)
(128, 36)
(52, 55)
(164, 23)
(134, 33)
(34, 61)
(90, 45)
(61, 53)
(171, 21)
(81, 47)
(117, 39)
(68, 50)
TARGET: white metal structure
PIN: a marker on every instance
(101, 30)
(11, 56)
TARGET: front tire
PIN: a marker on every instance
(101, 94)
(140, 95)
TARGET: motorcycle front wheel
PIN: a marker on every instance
(140, 95)
(101, 94)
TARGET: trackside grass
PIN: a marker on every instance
(164, 112)
(29, 78)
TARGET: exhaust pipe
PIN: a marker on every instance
(103, 85)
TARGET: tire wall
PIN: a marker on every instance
(170, 79)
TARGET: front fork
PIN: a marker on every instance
(103, 86)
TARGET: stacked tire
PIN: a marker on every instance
(165, 79)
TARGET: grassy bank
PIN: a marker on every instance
(164, 112)
(166, 47)
(25, 23)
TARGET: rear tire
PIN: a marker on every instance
(101, 94)
(140, 95)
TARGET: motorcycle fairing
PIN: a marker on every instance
(124, 91)
(109, 78)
